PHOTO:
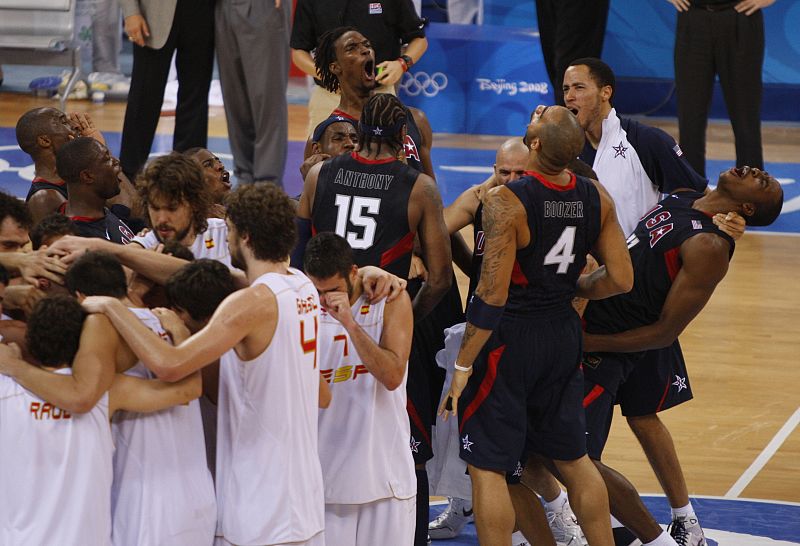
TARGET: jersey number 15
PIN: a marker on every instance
(361, 212)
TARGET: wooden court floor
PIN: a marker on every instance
(741, 351)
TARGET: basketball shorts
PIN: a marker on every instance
(525, 395)
(658, 382)
(316, 540)
(425, 377)
(598, 405)
(385, 521)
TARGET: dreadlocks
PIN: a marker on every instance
(387, 114)
(325, 54)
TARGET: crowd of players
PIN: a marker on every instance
(269, 366)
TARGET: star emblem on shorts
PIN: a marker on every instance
(378, 131)
(466, 445)
(415, 445)
(680, 382)
(518, 470)
(619, 150)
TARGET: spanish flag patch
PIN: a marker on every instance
(209, 243)
(364, 309)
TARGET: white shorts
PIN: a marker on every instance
(372, 523)
(316, 540)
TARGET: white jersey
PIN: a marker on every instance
(211, 244)
(55, 471)
(269, 481)
(363, 435)
(162, 492)
(620, 170)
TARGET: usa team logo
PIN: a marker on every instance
(375, 8)
(411, 148)
(480, 243)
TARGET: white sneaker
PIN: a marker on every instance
(109, 82)
(565, 528)
(450, 522)
(518, 539)
(687, 531)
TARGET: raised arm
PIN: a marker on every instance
(504, 222)
(704, 259)
(249, 311)
(92, 369)
(615, 276)
(435, 245)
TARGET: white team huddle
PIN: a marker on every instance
(132, 469)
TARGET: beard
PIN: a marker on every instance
(179, 236)
(237, 259)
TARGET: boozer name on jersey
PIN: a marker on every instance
(269, 480)
(655, 253)
(55, 471)
(211, 244)
(162, 491)
(564, 222)
(366, 202)
(363, 434)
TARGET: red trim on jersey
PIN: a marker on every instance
(517, 276)
(403, 247)
(593, 395)
(366, 161)
(338, 112)
(546, 183)
(62, 208)
(87, 219)
(485, 387)
(40, 179)
(414, 415)
(663, 396)
(672, 260)
(313, 230)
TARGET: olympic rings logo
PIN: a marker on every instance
(421, 82)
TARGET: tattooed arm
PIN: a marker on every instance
(506, 229)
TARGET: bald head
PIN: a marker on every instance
(49, 123)
(556, 136)
(510, 161)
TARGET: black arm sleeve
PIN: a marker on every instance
(304, 35)
(409, 24)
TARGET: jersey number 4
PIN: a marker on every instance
(561, 252)
(361, 212)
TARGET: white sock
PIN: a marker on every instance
(615, 523)
(683, 512)
(662, 540)
(556, 504)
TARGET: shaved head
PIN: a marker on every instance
(39, 121)
(559, 134)
(511, 150)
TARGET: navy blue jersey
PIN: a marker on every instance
(413, 138)
(109, 227)
(42, 184)
(366, 202)
(564, 223)
(655, 254)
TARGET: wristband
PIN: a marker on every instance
(408, 60)
(403, 63)
(483, 315)
(462, 368)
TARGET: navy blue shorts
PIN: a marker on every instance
(658, 382)
(598, 404)
(425, 377)
(525, 395)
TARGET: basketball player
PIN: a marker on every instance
(93, 176)
(368, 470)
(345, 61)
(510, 162)
(335, 135)
(162, 490)
(268, 491)
(538, 232)
(378, 203)
(174, 190)
(679, 257)
(637, 163)
(74, 451)
(218, 178)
